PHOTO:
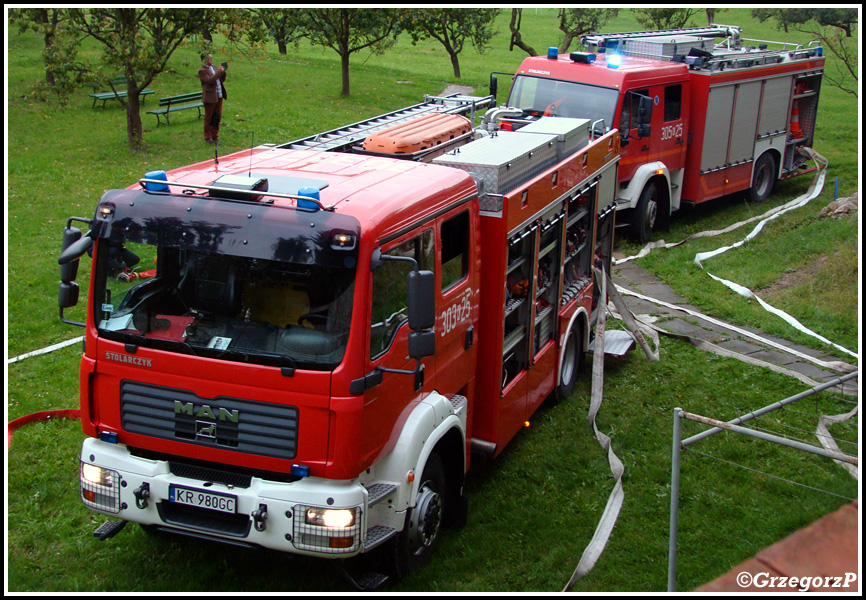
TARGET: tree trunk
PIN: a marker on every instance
(516, 15)
(344, 67)
(281, 45)
(49, 26)
(134, 130)
(455, 63)
(566, 42)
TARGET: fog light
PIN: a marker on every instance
(341, 542)
(328, 517)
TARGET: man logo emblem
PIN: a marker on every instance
(205, 411)
(205, 429)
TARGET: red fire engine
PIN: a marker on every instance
(698, 119)
(334, 324)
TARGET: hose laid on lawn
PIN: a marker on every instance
(614, 503)
(45, 350)
(45, 415)
(814, 190)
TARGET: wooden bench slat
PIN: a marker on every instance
(105, 96)
(171, 104)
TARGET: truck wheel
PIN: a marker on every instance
(644, 217)
(572, 363)
(764, 178)
(420, 535)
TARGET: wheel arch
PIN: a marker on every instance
(432, 426)
(451, 448)
(777, 156)
(580, 317)
(663, 185)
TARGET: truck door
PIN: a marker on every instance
(674, 126)
(388, 404)
(666, 141)
(457, 302)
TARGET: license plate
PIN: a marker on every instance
(202, 499)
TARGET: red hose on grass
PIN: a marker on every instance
(45, 415)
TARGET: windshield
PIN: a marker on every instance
(221, 306)
(537, 96)
(239, 281)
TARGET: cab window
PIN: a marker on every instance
(389, 309)
(455, 249)
(673, 102)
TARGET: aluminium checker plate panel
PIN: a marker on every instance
(502, 162)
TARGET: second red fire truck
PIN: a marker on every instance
(326, 329)
(698, 118)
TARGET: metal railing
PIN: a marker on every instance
(735, 426)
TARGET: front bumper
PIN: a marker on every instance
(249, 511)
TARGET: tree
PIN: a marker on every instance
(350, 30)
(452, 27)
(63, 70)
(712, 13)
(283, 25)
(516, 40)
(833, 27)
(138, 42)
(575, 22)
(42, 20)
(665, 18)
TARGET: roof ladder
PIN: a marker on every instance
(601, 39)
(343, 138)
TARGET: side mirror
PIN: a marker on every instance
(67, 295)
(69, 271)
(73, 247)
(422, 344)
(644, 116)
(75, 251)
(494, 87)
(421, 300)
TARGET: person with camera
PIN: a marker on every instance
(213, 92)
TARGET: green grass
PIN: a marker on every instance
(532, 510)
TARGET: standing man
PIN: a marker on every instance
(213, 92)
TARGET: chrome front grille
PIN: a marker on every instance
(226, 423)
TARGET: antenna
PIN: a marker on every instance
(215, 159)
(252, 134)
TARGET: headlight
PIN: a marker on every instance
(94, 474)
(330, 517)
(327, 530)
(99, 488)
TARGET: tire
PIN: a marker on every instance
(645, 214)
(572, 363)
(414, 546)
(764, 178)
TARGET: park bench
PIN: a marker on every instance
(116, 94)
(171, 104)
